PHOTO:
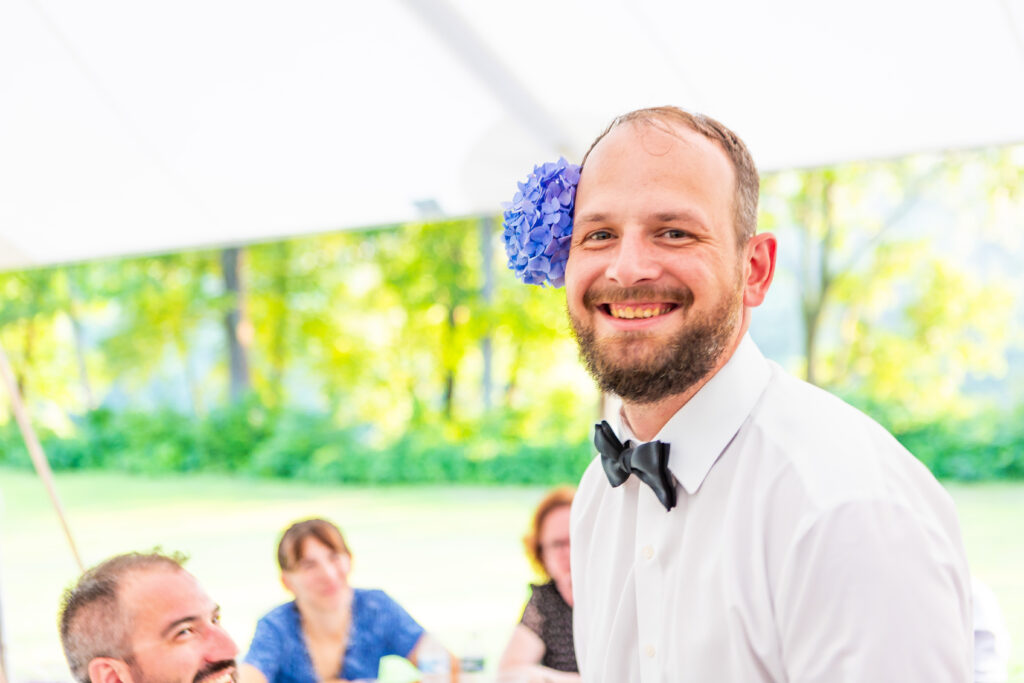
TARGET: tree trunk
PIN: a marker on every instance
(236, 323)
(28, 347)
(88, 396)
(817, 274)
(513, 375)
(278, 344)
(448, 395)
(487, 294)
(195, 394)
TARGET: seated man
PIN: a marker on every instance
(142, 617)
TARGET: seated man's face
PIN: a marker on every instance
(174, 629)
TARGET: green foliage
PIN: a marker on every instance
(249, 438)
(410, 353)
(228, 436)
(887, 312)
(304, 445)
(969, 450)
(982, 444)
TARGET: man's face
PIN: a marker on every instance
(654, 281)
(174, 629)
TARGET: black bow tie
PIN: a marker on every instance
(648, 461)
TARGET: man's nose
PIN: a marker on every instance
(220, 646)
(634, 260)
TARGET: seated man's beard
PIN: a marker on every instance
(639, 370)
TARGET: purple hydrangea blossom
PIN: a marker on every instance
(538, 223)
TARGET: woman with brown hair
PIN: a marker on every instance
(330, 631)
(541, 646)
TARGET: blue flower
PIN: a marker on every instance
(538, 223)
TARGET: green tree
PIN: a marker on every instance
(237, 326)
(903, 321)
(160, 303)
(40, 327)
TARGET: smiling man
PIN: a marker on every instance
(740, 525)
(141, 618)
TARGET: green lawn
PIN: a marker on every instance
(450, 555)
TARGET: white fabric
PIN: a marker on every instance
(807, 545)
(133, 127)
(991, 638)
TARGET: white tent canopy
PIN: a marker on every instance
(134, 126)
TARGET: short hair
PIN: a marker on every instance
(748, 183)
(92, 621)
(289, 549)
(555, 498)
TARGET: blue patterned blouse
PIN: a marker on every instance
(379, 627)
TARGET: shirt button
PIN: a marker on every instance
(649, 650)
(648, 552)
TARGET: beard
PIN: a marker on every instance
(210, 669)
(636, 367)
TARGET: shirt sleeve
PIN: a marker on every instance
(266, 651)
(870, 591)
(402, 630)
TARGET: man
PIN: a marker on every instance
(141, 618)
(775, 533)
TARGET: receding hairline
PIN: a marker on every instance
(92, 618)
(678, 128)
(672, 120)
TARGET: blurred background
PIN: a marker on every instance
(251, 270)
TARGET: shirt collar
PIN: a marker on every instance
(704, 426)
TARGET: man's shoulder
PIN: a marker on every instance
(831, 449)
(796, 412)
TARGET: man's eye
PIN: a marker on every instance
(676, 234)
(184, 632)
(599, 236)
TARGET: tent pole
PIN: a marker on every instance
(35, 450)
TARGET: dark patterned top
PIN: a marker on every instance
(548, 615)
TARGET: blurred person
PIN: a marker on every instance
(141, 618)
(330, 631)
(541, 647)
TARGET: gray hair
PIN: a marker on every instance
(92, 621)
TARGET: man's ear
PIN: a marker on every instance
(759, 255)
(109, 670)
(286, 582)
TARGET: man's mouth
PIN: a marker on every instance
(637, 303)
(633, 310)
(223, 672)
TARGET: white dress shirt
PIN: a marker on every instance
(991, 639)
(807, 545)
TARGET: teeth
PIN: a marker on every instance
(630, 313)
